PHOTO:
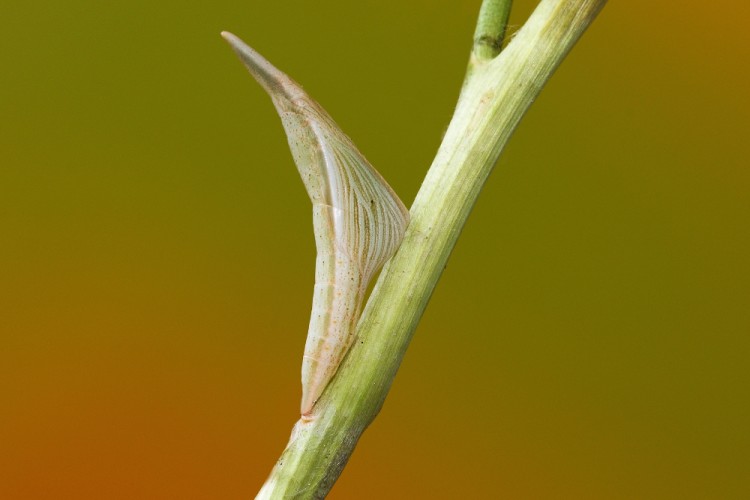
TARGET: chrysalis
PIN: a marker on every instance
(358, 220)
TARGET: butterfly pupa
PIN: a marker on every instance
(358, 220)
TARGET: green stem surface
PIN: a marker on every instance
(494, 98)
(490, 31)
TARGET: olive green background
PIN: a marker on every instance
(589, 338)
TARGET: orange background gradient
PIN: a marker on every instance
(589, 338)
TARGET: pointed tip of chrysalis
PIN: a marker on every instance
(275, 82)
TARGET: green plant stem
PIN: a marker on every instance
(493, 100)
(488, 35)
(490, 32)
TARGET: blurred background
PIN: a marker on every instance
(157, 256)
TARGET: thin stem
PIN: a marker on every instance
(490, 32)
(495, 98)
(488, 36)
